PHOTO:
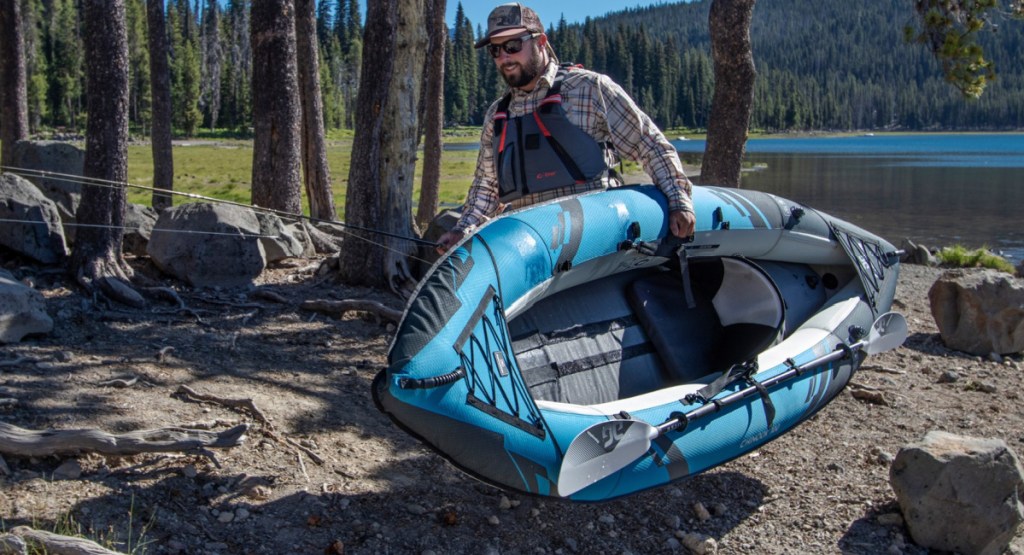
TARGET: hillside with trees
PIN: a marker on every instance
(836, 67)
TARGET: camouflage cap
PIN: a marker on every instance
(510, 20)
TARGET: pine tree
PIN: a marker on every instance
(139, 97)
(66, 65)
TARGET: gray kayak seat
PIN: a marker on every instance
(738, 313)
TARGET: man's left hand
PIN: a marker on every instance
(682, 223)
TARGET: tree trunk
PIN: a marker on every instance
(160, 85)
(13, 84)
(433, 114)
(316, 173)
(380, 187)
(96, 259)
(277, 117)
(733, 100)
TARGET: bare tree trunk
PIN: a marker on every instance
(380, 187)
(277, 117)
(160, 84)
(733, 101)
(316, 173)
(96, 259)
(433, 114)
(14, 91)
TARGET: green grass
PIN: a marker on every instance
(222, 169)
(959, 256)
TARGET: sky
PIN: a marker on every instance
(550, 12)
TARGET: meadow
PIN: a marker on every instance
(222, 169)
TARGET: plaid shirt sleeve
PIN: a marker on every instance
(637, 138)
(482, 198)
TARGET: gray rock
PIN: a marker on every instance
(138, 228)
(916, 254)
(22, 311)
(958, 493)
(65, 163)
(208, 245)
(33, 226)
(979, 312)
(282, 240)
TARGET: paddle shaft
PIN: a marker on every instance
(715, 406)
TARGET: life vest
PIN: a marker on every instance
(543, 150)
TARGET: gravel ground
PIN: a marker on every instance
(822, 488)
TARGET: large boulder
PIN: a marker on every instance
(959, 494)
(22, 310)
(65, 163)
(208, 245)
(31, 225)
(979, 311)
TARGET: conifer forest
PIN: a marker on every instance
(833, 66)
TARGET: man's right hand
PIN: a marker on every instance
(448, 240)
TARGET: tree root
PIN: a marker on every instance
(338, 309)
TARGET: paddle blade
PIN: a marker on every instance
(602, 450)
(888, 332)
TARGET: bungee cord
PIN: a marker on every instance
(345, 228)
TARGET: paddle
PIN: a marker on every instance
(607, 447)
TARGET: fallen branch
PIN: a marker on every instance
(119, 383)
(30, 443)
(63, 545)
(245, 404)
(338, 309)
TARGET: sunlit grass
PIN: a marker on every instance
(959, 256)
(222, 169)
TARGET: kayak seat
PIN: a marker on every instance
(737, 313)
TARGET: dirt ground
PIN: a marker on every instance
(823, 488)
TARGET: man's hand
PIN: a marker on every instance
(681, 223)
(448, 240)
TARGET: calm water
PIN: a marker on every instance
(937, 190)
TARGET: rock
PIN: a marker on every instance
(138, 228)
(41, 236)
(70, 469)
(916, 254)
(229, 254)
(22, 311)
(948, 376)
(700, 544)
(65, 163)
(979, 312)
(282, 240)
(958, 493)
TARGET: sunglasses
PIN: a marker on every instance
(511, 46)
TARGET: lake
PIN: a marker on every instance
(936, 189)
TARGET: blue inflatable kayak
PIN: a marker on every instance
(569, 349)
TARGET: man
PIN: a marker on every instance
(559, 131)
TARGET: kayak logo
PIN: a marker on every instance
(544, 175)
(610, 435)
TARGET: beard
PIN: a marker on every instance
(526, 73)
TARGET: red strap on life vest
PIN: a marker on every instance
(501, 116)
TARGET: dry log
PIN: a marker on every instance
(338, 309)
(61, 545)
(30, 443)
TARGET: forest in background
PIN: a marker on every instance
(841, 66)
